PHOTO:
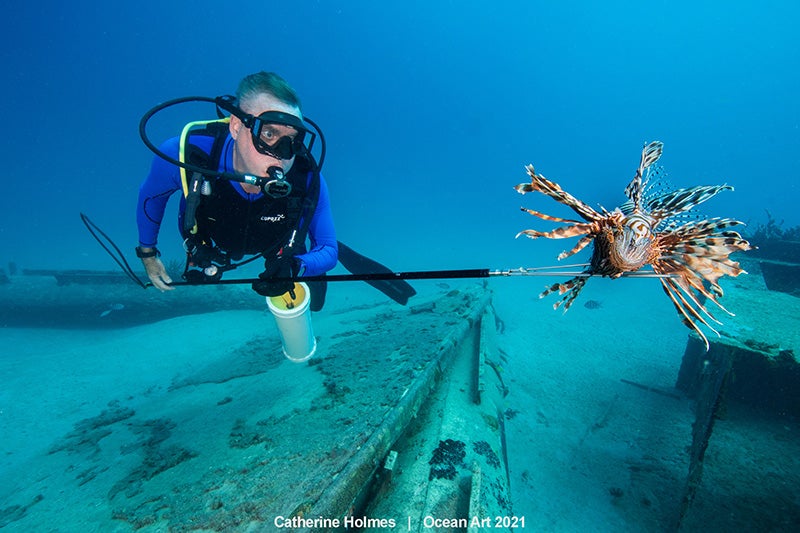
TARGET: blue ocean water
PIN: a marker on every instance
(431, 109)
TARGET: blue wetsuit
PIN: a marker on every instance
(164, 180)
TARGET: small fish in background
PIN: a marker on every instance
(593, 304)
(443, 286)
(111, 308)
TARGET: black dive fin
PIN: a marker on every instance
(397, 289)
(319, 289)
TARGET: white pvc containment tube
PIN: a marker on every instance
(293, 318)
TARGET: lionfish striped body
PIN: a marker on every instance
(688, 258)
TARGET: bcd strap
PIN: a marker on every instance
(193, 197)
(189, 153)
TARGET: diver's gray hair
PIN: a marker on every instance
(266, 83)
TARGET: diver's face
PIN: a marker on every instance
(248, 160)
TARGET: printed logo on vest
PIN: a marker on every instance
(274, 218)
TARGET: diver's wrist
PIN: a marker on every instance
(143, 252)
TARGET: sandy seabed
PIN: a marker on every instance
(588, 449)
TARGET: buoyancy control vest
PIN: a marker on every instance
(218, 217)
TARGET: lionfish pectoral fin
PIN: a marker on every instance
(712, 294)
(697, 253)
(581, 244)
(569, 289)
(549, 217)
(688, 280)
(687, 313)
(553, 190)
(559, 233)
(530, 233)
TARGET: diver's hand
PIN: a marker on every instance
(157, 273)
(281, 267)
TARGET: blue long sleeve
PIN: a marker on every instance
(324, 252)
(161, 183)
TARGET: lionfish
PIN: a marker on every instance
(688, 258)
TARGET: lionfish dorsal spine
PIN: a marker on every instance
(650, 154)
(678, 201)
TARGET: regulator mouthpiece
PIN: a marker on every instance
(277, 186)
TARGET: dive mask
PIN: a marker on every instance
(278, 134)
(275, 133)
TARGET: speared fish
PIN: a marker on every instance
(687, 258)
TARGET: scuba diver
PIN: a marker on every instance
(278, 201)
